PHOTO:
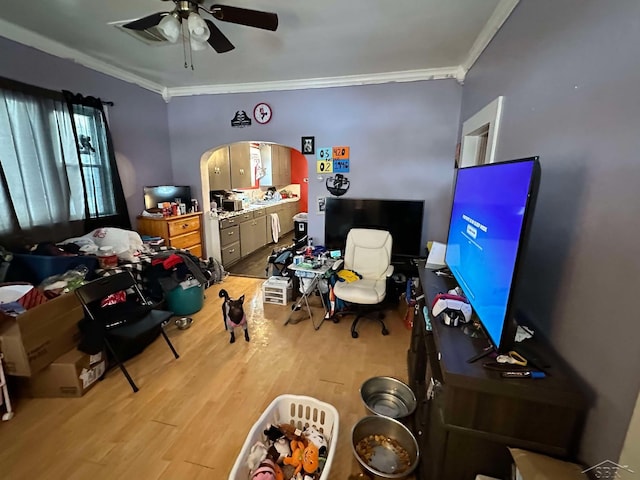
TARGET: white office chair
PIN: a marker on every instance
(368, 253)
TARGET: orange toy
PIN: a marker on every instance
(310, 458)
(297, 456)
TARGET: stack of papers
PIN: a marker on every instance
(435, 260)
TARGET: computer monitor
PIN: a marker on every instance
(490, 217)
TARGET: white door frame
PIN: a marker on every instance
(473, 131)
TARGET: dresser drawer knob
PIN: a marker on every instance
(185, 225)
(232, 250)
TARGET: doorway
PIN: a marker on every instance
(268, 166)
(480, 135)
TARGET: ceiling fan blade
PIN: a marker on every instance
(244, 16)
(145, 22)
(217, 39)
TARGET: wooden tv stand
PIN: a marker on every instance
(468, 415)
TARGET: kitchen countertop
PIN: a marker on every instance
(256, 206)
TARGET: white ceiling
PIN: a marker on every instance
(318, 42)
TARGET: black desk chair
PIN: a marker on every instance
(126, 328)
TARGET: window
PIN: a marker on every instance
(48, 178)
(94, 159)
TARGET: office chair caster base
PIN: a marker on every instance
(385, 331)
(354, 334)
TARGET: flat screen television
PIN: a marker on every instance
(402, 218)
(166, 193)
(490, 218)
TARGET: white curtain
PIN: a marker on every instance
(39, 159)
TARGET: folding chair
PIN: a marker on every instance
(134, 322)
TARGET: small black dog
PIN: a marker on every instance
(233, 315)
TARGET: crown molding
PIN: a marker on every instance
(499, 16)
(458, 72)
(37, 41)
(305, 84)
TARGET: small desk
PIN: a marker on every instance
(315, 275)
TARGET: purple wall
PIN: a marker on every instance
(138, 121)
(569, 74)
(402, 138)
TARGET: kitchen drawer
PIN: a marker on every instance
(229, 235)
(230, 254)
(229, 222)
(187, 240)
(243, 217)
(259, 213)
(178, 227)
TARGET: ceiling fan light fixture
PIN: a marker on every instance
(197, 28)
(169, 26)
(196, 45)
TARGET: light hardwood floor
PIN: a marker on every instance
(191, 416)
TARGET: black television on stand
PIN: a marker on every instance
(402, 218)
(490, 218)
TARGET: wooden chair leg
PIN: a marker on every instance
(164, 334)
(121, 365)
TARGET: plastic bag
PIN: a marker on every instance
(65, 282)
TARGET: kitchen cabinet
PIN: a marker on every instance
(285, 212)
(240, 165)
(277, 167)
(180, 231)
(281, 161)
(219, 170)
(252, 232)
(286, 218)
(230, 240)
(243, 234)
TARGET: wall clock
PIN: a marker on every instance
(262, 113)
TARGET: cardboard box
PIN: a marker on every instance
(535, 466)
(34, 339)
(70, 375)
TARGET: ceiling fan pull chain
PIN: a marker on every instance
(190, 50)
(184, 46)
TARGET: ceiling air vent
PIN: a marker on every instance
(150, 36)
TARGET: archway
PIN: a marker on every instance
(297, 184)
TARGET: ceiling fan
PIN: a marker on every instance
(201, 30)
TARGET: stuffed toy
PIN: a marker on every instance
(317, 456)
(297, 456)
(265, 471)
(233, 315)
(279, 448)
(256, 456)
(310, 458)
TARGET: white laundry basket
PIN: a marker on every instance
(296, 410)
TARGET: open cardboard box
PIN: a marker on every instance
(70, 375)
(35, 338)
(535, 466)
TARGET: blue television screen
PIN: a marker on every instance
(491, 204)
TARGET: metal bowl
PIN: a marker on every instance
(384, 458)
(184, 322)
(388, 397)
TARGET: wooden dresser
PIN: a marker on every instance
(179, 231)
